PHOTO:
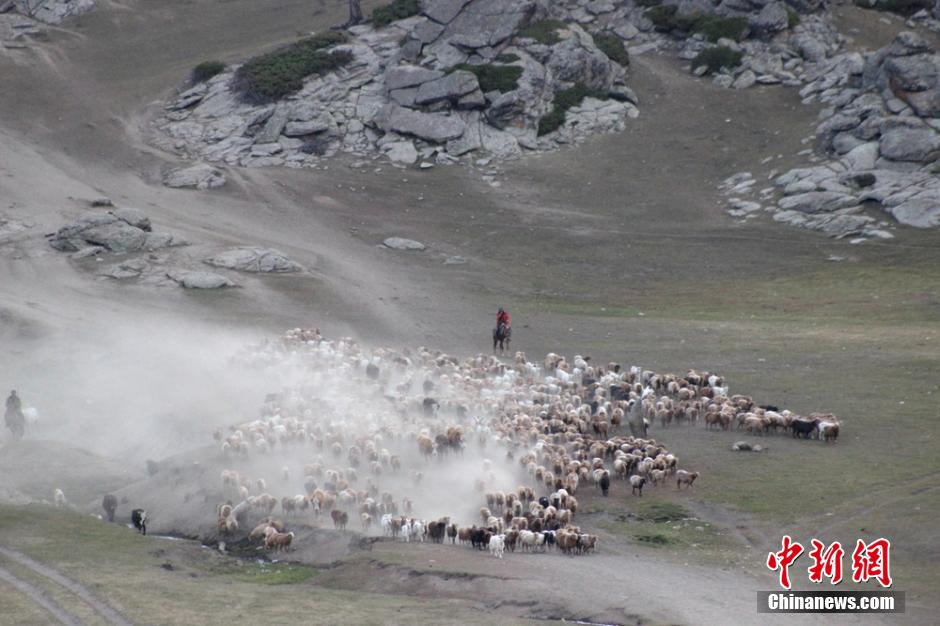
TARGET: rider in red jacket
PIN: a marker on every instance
(502, 317)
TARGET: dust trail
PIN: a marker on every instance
(37, 596)
(79, 590)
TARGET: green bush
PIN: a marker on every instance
(793, 17)
(397, 10)
(272, 76)
(717, 57)
(206, 70)
(501, 78)
(543, 32)
(564, 100)
(663, 17)
(715, 27)
(612, 46)
(666, 19)
(648, 3)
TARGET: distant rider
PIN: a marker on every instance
(14, 418)
(502, 317)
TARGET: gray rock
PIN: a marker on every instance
(468, 142)
(401, 76)
(840, 226)
(430, 126)
(299, 129)
(622, 93)
(128, 269)
(427, 31)
(626, 30)
(405, 97)
(862, 157)
(200, 176)
(399, 243)
(772, 19)
(256, 260)
(809, 47)
(473, 100)
(444, 11)
(401, 152)
(741, 446)
(496, 19)
(910, 144)
(274, 126)
(134, 217)
(87, 252)
(449, 87)
(199, 279)
(745, 79)
(922, 212)
(117, 236)
(816, 202)
(577, 60)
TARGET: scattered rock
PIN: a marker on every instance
(120, 230)
(199, 279)
(399, 243)
(257, 260)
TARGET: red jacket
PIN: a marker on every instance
(502, 318)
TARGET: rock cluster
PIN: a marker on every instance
(119, 230)
(420, 89)
(52, 11)
(255, 260)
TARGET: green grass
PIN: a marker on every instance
(270, 77)
(507, 57)
(660, 511)
(206, 70)
(492, 77)
(397, 10)
(544, 32)
(793, 17)
(716, 58)
(648, 3)
(613, 47)
(266, 573)
(564, 100)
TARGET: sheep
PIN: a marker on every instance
(497, 545)
(109, 504)
(683, 476)
(657, 477)
(58, 497)
(604, 482)
(636, 484)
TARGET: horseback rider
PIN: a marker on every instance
(502, 317)
(14, 418)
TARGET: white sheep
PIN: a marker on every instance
(497, 545)
(59, 497)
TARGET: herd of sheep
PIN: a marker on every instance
(371, 425)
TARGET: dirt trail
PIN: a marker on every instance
(39, 597)
(81, 591)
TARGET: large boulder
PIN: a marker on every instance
(402, 76)
(908, 143)
(120, 230)
(400, 243)
(920, 212)
(575, 59)
(434, 127)
(256, 260)
(450, 87)
(488, 21)
(771, 19)
(910, 69)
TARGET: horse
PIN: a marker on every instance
(501, 336)
(16, 422)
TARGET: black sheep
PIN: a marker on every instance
(803, 428)
(605, 484)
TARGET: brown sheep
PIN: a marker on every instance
(279, 541)
(683, 476)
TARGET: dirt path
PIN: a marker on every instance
(81, 591)
(39, 597)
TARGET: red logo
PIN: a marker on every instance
(783, 559)
(826, 562)
(871, 561)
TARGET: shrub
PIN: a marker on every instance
(793, 17)
(612, 46)
(501, 78)
(397, 10)
(206, 70)
(714, 27)
(272, 76)
(543, 32)
(648, 3)
(507, 57)
(717, 57)
(662, 17)
(564, 100)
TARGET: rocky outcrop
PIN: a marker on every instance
(52, 11)
(456, 80)
(200, 176)
(255, 260)
(120, 230)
